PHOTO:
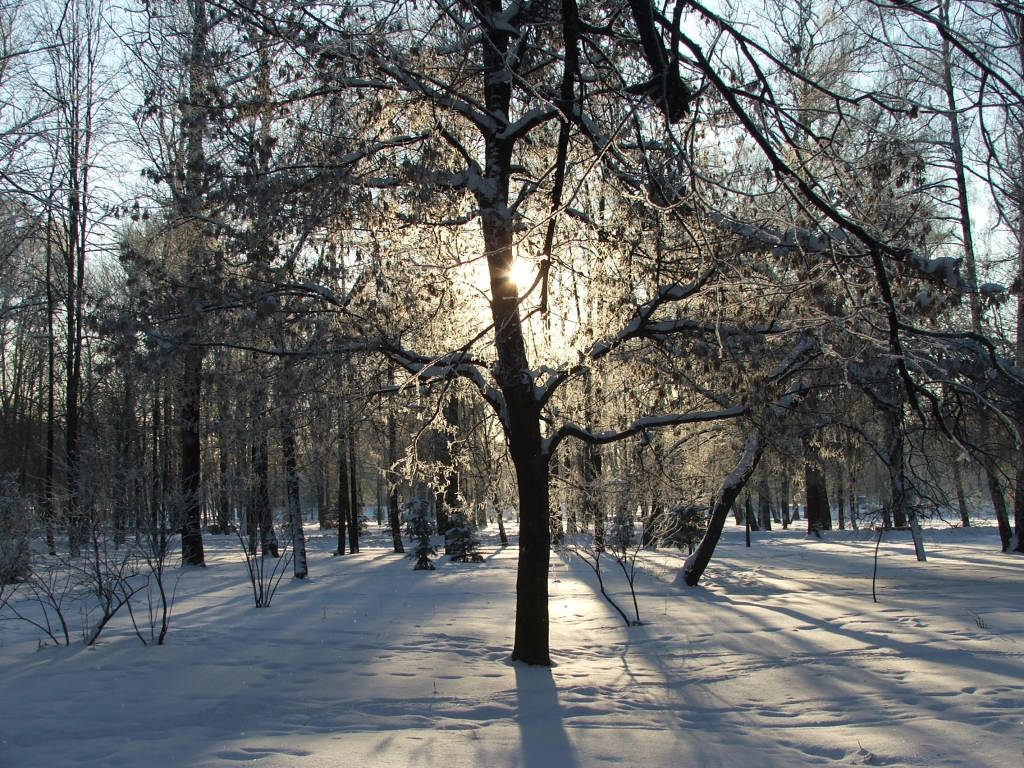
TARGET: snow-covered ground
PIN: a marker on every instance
(780, 659)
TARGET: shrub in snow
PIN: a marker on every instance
(419, 527)
(460, 539)
(622, 544)
(14, 536)
(264, 583)
(685, 526)
(622, 530)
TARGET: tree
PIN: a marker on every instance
(420, 528)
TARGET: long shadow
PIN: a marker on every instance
(538, 715)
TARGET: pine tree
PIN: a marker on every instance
(419, 527)
(461, 539)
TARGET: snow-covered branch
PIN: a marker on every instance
(639, 426)
(641, 324)
(457, 364)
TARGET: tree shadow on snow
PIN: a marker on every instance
(538, 715)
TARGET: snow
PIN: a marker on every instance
(780, 659)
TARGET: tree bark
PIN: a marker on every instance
(819, 517)
(995, 489)
(522, 424)
(300, 566)
(191, 460)
(354, 512)
(394, 516)
(49, 500)
(190, 204)
(961, 498)
(724, 498)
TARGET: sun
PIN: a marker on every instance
(522, 273)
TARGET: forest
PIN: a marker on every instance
(625, 276)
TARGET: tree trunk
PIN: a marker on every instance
(1018, 508)
(354, 512)
(748, 513)
(74, 287)
(344, 497)
(191, 460)
(995, 489)
(394, 517)
(300, 566)
(785, 498)
(262, 514)
(840, 500)
(819, 517)
(502, 536)
(961, 498)
(724, 498)
(764, 505)
(223, 494)
(49, 500)
(1018, 496)
(531, 643)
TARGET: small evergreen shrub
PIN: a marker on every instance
(461, 539)
(686, 526)
(419, 527)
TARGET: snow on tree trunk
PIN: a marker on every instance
(723, 499)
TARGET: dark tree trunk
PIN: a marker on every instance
(590, 469)
(344, 476)
(156, 486)
(851, 498)
(49, 500)
(74, 515)
(840, 501)
(300, 567)
(261, 504)
(191, 460)
(128, 458)
(394, 516)
(961, 498)
(344, 498)
(764, 505)
(723, 499)
(748, 512)
(819, 517)
(354, 512)
(1018, 508)
(502, 536)
(223, 494)
(894, 464)
(513, 372)
(995, 489)
(785, 498)
(323, 494)
(190, 202)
